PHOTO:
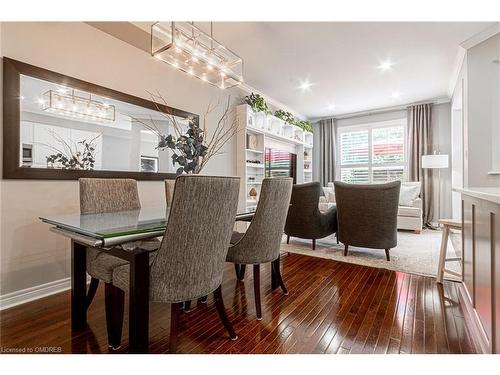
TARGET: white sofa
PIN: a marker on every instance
(409, 216)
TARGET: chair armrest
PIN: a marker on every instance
(417, 203)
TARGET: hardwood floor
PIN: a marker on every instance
(332, 307)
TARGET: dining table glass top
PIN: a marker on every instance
(115, 224)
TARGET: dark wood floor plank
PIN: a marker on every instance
(333, 307)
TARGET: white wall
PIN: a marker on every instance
(483, 101)
(30, 254)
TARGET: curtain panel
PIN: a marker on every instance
(327, 149)
(420, 143)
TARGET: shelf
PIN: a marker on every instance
(306, 171)
(252, 201)
(255, 165)
(308, 161)
(254, 151)
(254, 183)
(254, 130)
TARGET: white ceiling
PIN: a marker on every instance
(340, 59)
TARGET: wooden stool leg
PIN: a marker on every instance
(442, 254)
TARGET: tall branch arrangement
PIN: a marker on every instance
(72, 154)
(192, 150)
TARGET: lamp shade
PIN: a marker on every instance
(435, 161)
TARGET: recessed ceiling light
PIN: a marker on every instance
(385, 65)
(395, 95)
(331, 106)
(305, 85)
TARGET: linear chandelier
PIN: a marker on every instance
(187, 48)
(79, 107)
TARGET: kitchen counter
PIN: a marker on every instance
(491, 194)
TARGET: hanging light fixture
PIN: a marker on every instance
(71, 105)
(187, 48)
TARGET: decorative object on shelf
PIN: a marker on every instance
(71, 105)
(254, 161)
(305, 125)
(79, 155)
(253, 142)
(306, 155)
(191, 151)
(187, 48)
(253, 193)
(251, 178)
(257, 103)
(285, 116)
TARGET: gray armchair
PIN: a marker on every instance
(304, 219)
(190, 261)
(261, 242)
(368, 215)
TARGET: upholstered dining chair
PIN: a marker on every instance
(304, 219)
(190, 261)
(100, 195)
(368, 215)
(262, 239)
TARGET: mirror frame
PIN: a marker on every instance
(12, 71)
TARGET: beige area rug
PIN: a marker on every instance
(415, 253)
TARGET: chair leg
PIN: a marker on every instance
(242, 272)
(114, 300)
(287, 239)
(237, 270)
(219, 304)
(187, 306)
(442, 254)
(387, 256)
(337, 236)
(94, 283)
(256, 287)
(314, 244)
(175, 310)
(346, 249)
(275, 265)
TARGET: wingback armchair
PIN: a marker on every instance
(368, 215)
(304, 219)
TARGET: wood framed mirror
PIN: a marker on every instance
(57, 127)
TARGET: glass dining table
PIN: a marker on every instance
(107, 231)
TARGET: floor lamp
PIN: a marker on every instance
(436, 161)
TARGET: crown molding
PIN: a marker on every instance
(481, 36)
(375, 111)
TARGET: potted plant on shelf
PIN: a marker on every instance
(257, 103)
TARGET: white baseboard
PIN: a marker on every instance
(30, 294)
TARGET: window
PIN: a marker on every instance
(372, 153)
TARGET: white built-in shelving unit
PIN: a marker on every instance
(261, 131)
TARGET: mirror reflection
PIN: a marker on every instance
(66, 128)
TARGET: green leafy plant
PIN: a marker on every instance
(285, 116)
(306, 125)
(257, 102)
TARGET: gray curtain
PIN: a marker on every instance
(327, 149)
(420, 143)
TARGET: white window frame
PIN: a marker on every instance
(369, 127)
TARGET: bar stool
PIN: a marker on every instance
(447, 225)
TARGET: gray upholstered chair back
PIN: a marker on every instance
(304, 218)
(99, 195)
(261, 242)
(368, 214)
(190, 261)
